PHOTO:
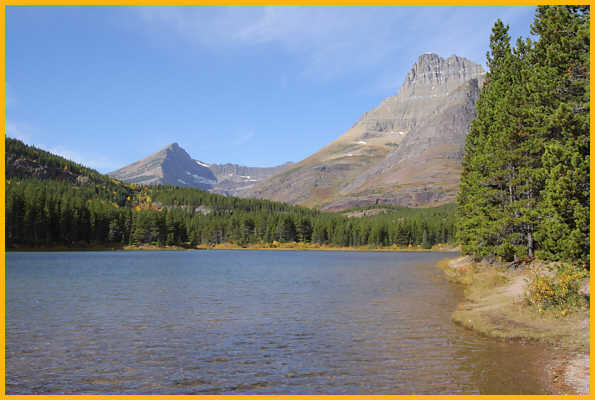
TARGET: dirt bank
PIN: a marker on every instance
(495, 305)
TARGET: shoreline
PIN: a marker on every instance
(495, 306)
(230, 246)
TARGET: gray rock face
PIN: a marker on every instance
(234, 179)
(241, 172)
(405, 151)
(173, 166)
(424, 89)
(433, 74)
(434, 144)
(169, 166)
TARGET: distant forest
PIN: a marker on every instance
(53, 201)
(525, 188)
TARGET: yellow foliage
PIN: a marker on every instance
(562, 289)
(541, 289)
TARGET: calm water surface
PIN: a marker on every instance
(200, 322)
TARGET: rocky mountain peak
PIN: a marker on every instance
(171, 166)
(434, 73)
(407, 150)
(172, 148)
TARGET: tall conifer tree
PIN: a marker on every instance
(480, 210)
(525, 183)
(561, 95)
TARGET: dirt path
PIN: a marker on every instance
(495, 306)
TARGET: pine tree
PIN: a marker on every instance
(481, 193)
(561, 85)
(525, 181)
(426, 242)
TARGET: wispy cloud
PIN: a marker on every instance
(447, 30)
(328, 41)
(243, 138)
(26, 134)
(332, 41)
(98, 162)
(20, 132)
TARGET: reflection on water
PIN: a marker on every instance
(201, 322)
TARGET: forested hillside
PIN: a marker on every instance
(53, 201)
(525, 185)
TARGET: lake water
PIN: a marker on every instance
(247, 322)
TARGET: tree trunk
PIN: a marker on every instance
(530, 243)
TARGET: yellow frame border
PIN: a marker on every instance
(5, 3)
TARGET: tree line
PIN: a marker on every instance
(51, 212)
(525, 183)
(53, 201)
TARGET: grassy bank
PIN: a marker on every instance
(232, 246)
(319, 247)
(499, 303)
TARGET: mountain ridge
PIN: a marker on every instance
(405, 151)
(336, 177)
(234, 179)
(172, 165)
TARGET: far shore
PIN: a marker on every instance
(495, 306)
(229, 246)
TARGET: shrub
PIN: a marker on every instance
(561, 290)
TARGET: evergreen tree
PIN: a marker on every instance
(482, 192)
(60, 211)
(525, 181)
(561, 86)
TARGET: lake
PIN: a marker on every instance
(247, 322)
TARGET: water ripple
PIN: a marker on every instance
(230, 322)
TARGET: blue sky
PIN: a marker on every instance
(253, 85)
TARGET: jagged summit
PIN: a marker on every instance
(434, 72)
(172, 147)
(405, 151)
(170, 166)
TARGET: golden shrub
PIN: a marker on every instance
(560, 290)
